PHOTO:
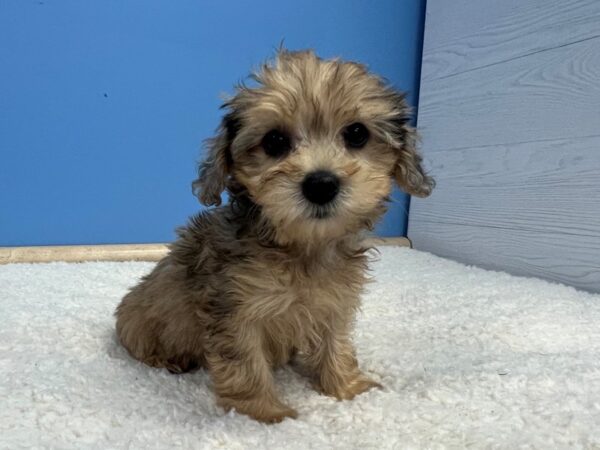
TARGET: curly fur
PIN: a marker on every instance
(262, 281)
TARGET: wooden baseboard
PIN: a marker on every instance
(124, 252)
(390, 241)
(80, 253)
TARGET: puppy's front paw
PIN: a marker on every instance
(268, 411)
(348, 388)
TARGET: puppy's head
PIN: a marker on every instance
(317, 145)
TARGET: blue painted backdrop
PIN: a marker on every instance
(104, 105)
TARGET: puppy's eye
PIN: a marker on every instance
(276, 143)
(356, 135)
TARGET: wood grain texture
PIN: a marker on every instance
(463, 35)
(549, 95)
(545, 186)
(569, 259)
(510, 119)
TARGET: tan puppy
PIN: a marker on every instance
(308, 157)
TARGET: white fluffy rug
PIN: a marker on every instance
(467, 358)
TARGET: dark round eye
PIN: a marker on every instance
(275, 143)
(356, 135)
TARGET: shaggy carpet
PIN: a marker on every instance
(467, 357)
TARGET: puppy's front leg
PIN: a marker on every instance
(243, 379)
(337, 369)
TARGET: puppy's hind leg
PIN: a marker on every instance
(137, 333)
(155, 344)
(182, 344)
(163, 334)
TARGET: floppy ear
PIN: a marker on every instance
(408, 172)
(214, 171)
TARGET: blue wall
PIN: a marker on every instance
(103, 105)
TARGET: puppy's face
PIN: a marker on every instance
(317, 144)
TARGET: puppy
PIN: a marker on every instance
(308, 157)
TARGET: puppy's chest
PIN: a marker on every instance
(294, 301)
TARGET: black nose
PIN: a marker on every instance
(320, 187)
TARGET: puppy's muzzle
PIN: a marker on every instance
(320, 187)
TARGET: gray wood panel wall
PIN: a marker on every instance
(509, 114)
